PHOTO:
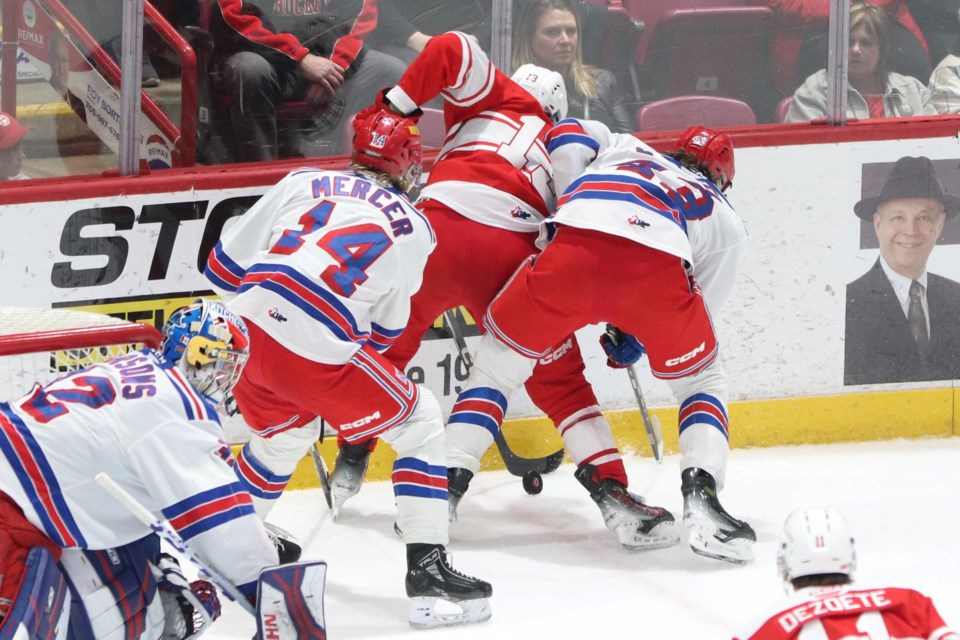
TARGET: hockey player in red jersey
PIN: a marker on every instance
(148, 420)
(322, 268)
(489, 190)
(817, 560)
(634, 231)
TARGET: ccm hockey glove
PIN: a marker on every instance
(622, 349)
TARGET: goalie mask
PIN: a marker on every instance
(814, 542)
(546, 86)
(390, 144)
(713, 150)
(209, 344)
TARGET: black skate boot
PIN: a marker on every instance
(430, 576)
(348, 474)
(458, 481)
(713, 532)
(287, 548)
(637, 525)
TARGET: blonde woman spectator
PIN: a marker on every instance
(11, 148)
(873, 90)
(547, 33)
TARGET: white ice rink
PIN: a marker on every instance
(558, 573)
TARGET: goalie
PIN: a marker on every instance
(147, 419)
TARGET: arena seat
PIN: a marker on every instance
(720, 51)
(783, 107)
(649, 13)
(681, 112)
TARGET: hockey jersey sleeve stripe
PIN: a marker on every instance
(470, 88)
(223, 272)
(703, 408)
(37, 479)
(381, 337)
(209, 509)
(251, 27)
(309, 297)
(194, 407)
(259, 481)
(346, 48)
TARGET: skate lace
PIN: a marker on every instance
(448, 564)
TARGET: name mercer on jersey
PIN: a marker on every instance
(855, 601)
(390, 204)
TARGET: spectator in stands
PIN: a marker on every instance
(405, 25)
(11, 148)
(272, 52)
(547, 33)
(873, 91)
(798, 41)
(945, 85)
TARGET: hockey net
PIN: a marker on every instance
(40, 345)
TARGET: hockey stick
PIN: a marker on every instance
(515, 464)
(650, 423)
(322, 473)
(163, 528)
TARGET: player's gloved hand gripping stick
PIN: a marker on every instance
(623, 351)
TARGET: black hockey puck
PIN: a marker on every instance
(532, 482)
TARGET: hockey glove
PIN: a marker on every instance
(622, 349)
(188, 608)
(382, 104)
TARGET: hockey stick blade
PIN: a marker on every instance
(654, 433)
(516, 465)
(322, 473)
(165, 530)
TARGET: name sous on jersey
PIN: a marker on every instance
(390, 204)
(855, 601)
(137, 376)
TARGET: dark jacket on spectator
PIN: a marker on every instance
(609, 107)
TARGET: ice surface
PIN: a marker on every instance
(558, 573)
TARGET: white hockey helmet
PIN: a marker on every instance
(546, 86)
(209, 344)
(815, 541)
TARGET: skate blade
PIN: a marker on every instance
(423, 614)
(339, 498)
(661, 536)
(703, 542)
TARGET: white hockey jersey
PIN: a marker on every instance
(138, 420)
(613, 182)
(493, 167)
(325, 262)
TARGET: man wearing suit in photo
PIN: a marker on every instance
(903, 322)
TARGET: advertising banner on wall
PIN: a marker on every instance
(782, 333)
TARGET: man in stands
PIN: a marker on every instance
(817, 560)
(148, 420)
(322, 268)
(273, 52)
(11, 148)
(633, 233)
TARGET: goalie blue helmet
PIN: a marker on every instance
(209, 344)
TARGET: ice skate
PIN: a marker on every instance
(714, 533)
(638, 526)
(458, 481)
(348, 474)
(288, 549)
(430, 578)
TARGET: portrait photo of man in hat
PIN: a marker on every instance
(903, 322)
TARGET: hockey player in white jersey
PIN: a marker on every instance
(322, 268)
(148, 421)
(622, 198)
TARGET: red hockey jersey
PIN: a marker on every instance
(837, 613)
(493, 167)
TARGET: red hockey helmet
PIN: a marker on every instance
(712, 149)
(389, 143)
